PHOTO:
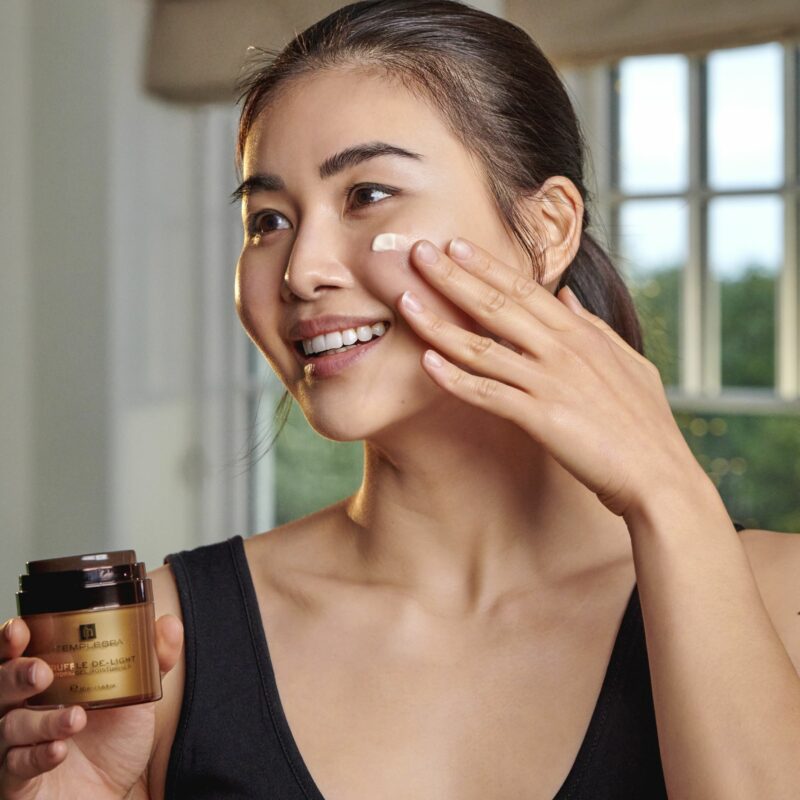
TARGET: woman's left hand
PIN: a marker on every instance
(573, 384)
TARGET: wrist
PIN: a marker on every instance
(680, 500)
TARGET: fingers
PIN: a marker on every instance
(23, 727)
(519, 287)
(24, 763)
(481, 354)
(14, 639)
(493, 297)
(494, 396)
(20, 677)
(32, 742)
(169, 641)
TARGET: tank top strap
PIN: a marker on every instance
(225, 744)
(619, 756)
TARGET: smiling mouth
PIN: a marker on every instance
(363, 334)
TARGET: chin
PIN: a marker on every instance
(383, 406)
(392, 418)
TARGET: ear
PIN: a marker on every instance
(557, 211)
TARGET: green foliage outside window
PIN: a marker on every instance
(748, 330)
(311, 471)
(657, 300)
(754, 460)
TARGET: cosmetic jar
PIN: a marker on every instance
(92, 619)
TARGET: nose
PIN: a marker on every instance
(313, 267)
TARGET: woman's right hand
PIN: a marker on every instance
(49, 753)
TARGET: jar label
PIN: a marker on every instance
(96, 655)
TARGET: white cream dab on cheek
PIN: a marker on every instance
(390, 241)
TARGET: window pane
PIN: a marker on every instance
(745, 128)
(263, 395)
(754, 462)
(745, 252)
(653, 244)
(261, 477)
(255, 360)
(653, 124)
(795, 123)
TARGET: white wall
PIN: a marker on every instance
(16, 326)
(68, 246)
(119, 347)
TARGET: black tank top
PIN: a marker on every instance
(233, 740)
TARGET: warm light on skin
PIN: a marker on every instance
(324, 247)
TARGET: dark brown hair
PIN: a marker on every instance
(496, 92)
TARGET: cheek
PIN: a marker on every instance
(256, 294)
(391, 274)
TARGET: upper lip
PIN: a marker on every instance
(315, 326)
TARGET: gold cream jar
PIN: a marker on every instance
(92, 619)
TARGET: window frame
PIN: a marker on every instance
(699, 388)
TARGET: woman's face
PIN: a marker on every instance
(307, 246)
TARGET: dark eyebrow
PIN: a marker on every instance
(349, 157)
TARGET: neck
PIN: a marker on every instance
(464, 507)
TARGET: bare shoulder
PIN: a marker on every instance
(775, 560)
(168, 709)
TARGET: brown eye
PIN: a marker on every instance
(263, 223)
(365, 191)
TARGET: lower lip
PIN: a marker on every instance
(325, 366)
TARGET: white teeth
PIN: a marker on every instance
(336, 341)
(318, 343)
(333, 341)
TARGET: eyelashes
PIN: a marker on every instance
(369, 187)
(255, 222)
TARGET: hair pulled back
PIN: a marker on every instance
(496, 92)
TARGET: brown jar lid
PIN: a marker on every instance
(83, 582)
(84, 561)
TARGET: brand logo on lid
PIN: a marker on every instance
(87, 632)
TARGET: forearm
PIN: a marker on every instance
(726, 694)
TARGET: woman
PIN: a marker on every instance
(471, 622)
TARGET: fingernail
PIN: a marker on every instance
(432, 359)
(32, 674)
(460, 249)
(72, 717)
(389, 241)
(411, 302)
(427, 253)
(7, 630)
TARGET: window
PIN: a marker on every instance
(701, 206)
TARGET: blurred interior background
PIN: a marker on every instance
(135, 410)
